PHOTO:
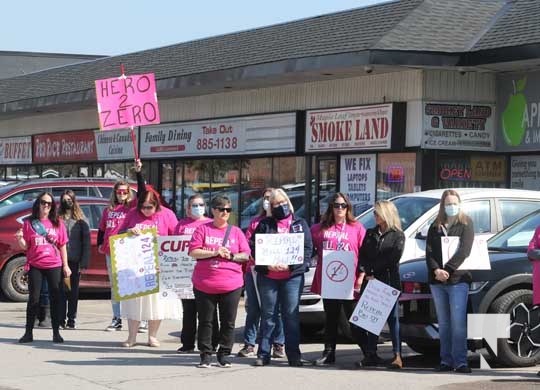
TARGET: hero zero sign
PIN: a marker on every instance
(364, 127)
(458, 126)
(127, 101)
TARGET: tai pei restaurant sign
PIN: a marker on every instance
(458, 126)
(351, 128)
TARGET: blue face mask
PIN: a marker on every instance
(451, 210)
(197, 211)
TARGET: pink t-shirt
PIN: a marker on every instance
(40, 253)
(217, 275)
(535, 244)
(345, 237)
(111, 221)
(164, 220)
(186, 226)
(283, 226)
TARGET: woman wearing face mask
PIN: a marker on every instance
(450, 286)
(253, 309)
(195, 211)
(78, 251)
(280, 286)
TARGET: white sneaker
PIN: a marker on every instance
(143, 327)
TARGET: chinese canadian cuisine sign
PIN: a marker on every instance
(365, 127)
(458, 126)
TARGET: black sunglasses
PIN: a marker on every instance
(223, 209)
(340, 205)
(45, 203)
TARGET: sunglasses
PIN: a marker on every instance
(122, 192)
(45, 203)
(223, 209)
(197, 205)
(340, 205)
(147, 207)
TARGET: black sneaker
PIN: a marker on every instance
(205, 360)
(444, 368)
(184, 349)
(71, 324)
(259, 362)
(116, 324)
(464, 370)
(372, 360)
(223, 361)
(248, 350)
(328, 358)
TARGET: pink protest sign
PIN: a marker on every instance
(127, 101)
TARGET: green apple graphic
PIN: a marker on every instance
(512, 117)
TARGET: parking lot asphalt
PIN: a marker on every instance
(91, 358)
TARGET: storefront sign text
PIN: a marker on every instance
(16, 150)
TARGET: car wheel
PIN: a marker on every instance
(15, 281)
(522, 348)
(431, 350)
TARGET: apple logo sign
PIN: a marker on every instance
(512, 117)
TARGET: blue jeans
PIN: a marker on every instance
(115, 305)
(451, 305)
(253, 315)
(285, 294)
(393, 325)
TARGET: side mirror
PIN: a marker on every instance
(422, 234)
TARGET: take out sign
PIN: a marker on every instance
(363, 127)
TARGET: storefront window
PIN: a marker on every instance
(474, 171)
(396, 174)
(167, 193)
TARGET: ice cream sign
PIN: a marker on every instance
(518, 97)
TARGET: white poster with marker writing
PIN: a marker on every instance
(175, 267)
(478, 258)
(374, 306)
(279, 248)
(338, 274)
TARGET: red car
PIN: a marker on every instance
(13, 281)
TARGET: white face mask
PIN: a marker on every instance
(266, 205)
(451, 210)
(197, 211)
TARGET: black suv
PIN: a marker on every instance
(506, 288)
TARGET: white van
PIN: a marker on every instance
(491, 209)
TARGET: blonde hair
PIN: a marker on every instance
(280, 193)
(388, 212)
(113, 200)
(441, 215)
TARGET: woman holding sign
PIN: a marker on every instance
(148, 214)
(379, 257)
(449, 285)
(338, 231)
(219, 249)
(281, 284)
(120, 203)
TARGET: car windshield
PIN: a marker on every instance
(410, 208)
(517, 236)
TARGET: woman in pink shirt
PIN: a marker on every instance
(152, 308)
(44, 238)
(195, 211)
(219, 249)
(120, 203)
(338, 231)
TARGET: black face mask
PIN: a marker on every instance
(67, 204)
(281, 211)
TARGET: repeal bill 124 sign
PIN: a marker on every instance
(127, 101)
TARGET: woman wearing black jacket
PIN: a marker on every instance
(281, 284)
(379, 258)
(450, 286)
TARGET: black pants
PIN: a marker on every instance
(189, 325)
(70, 298)
(54, 281)
(332, 311)
(227, 306)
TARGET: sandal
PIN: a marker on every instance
(128, 344)
(153, 343)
